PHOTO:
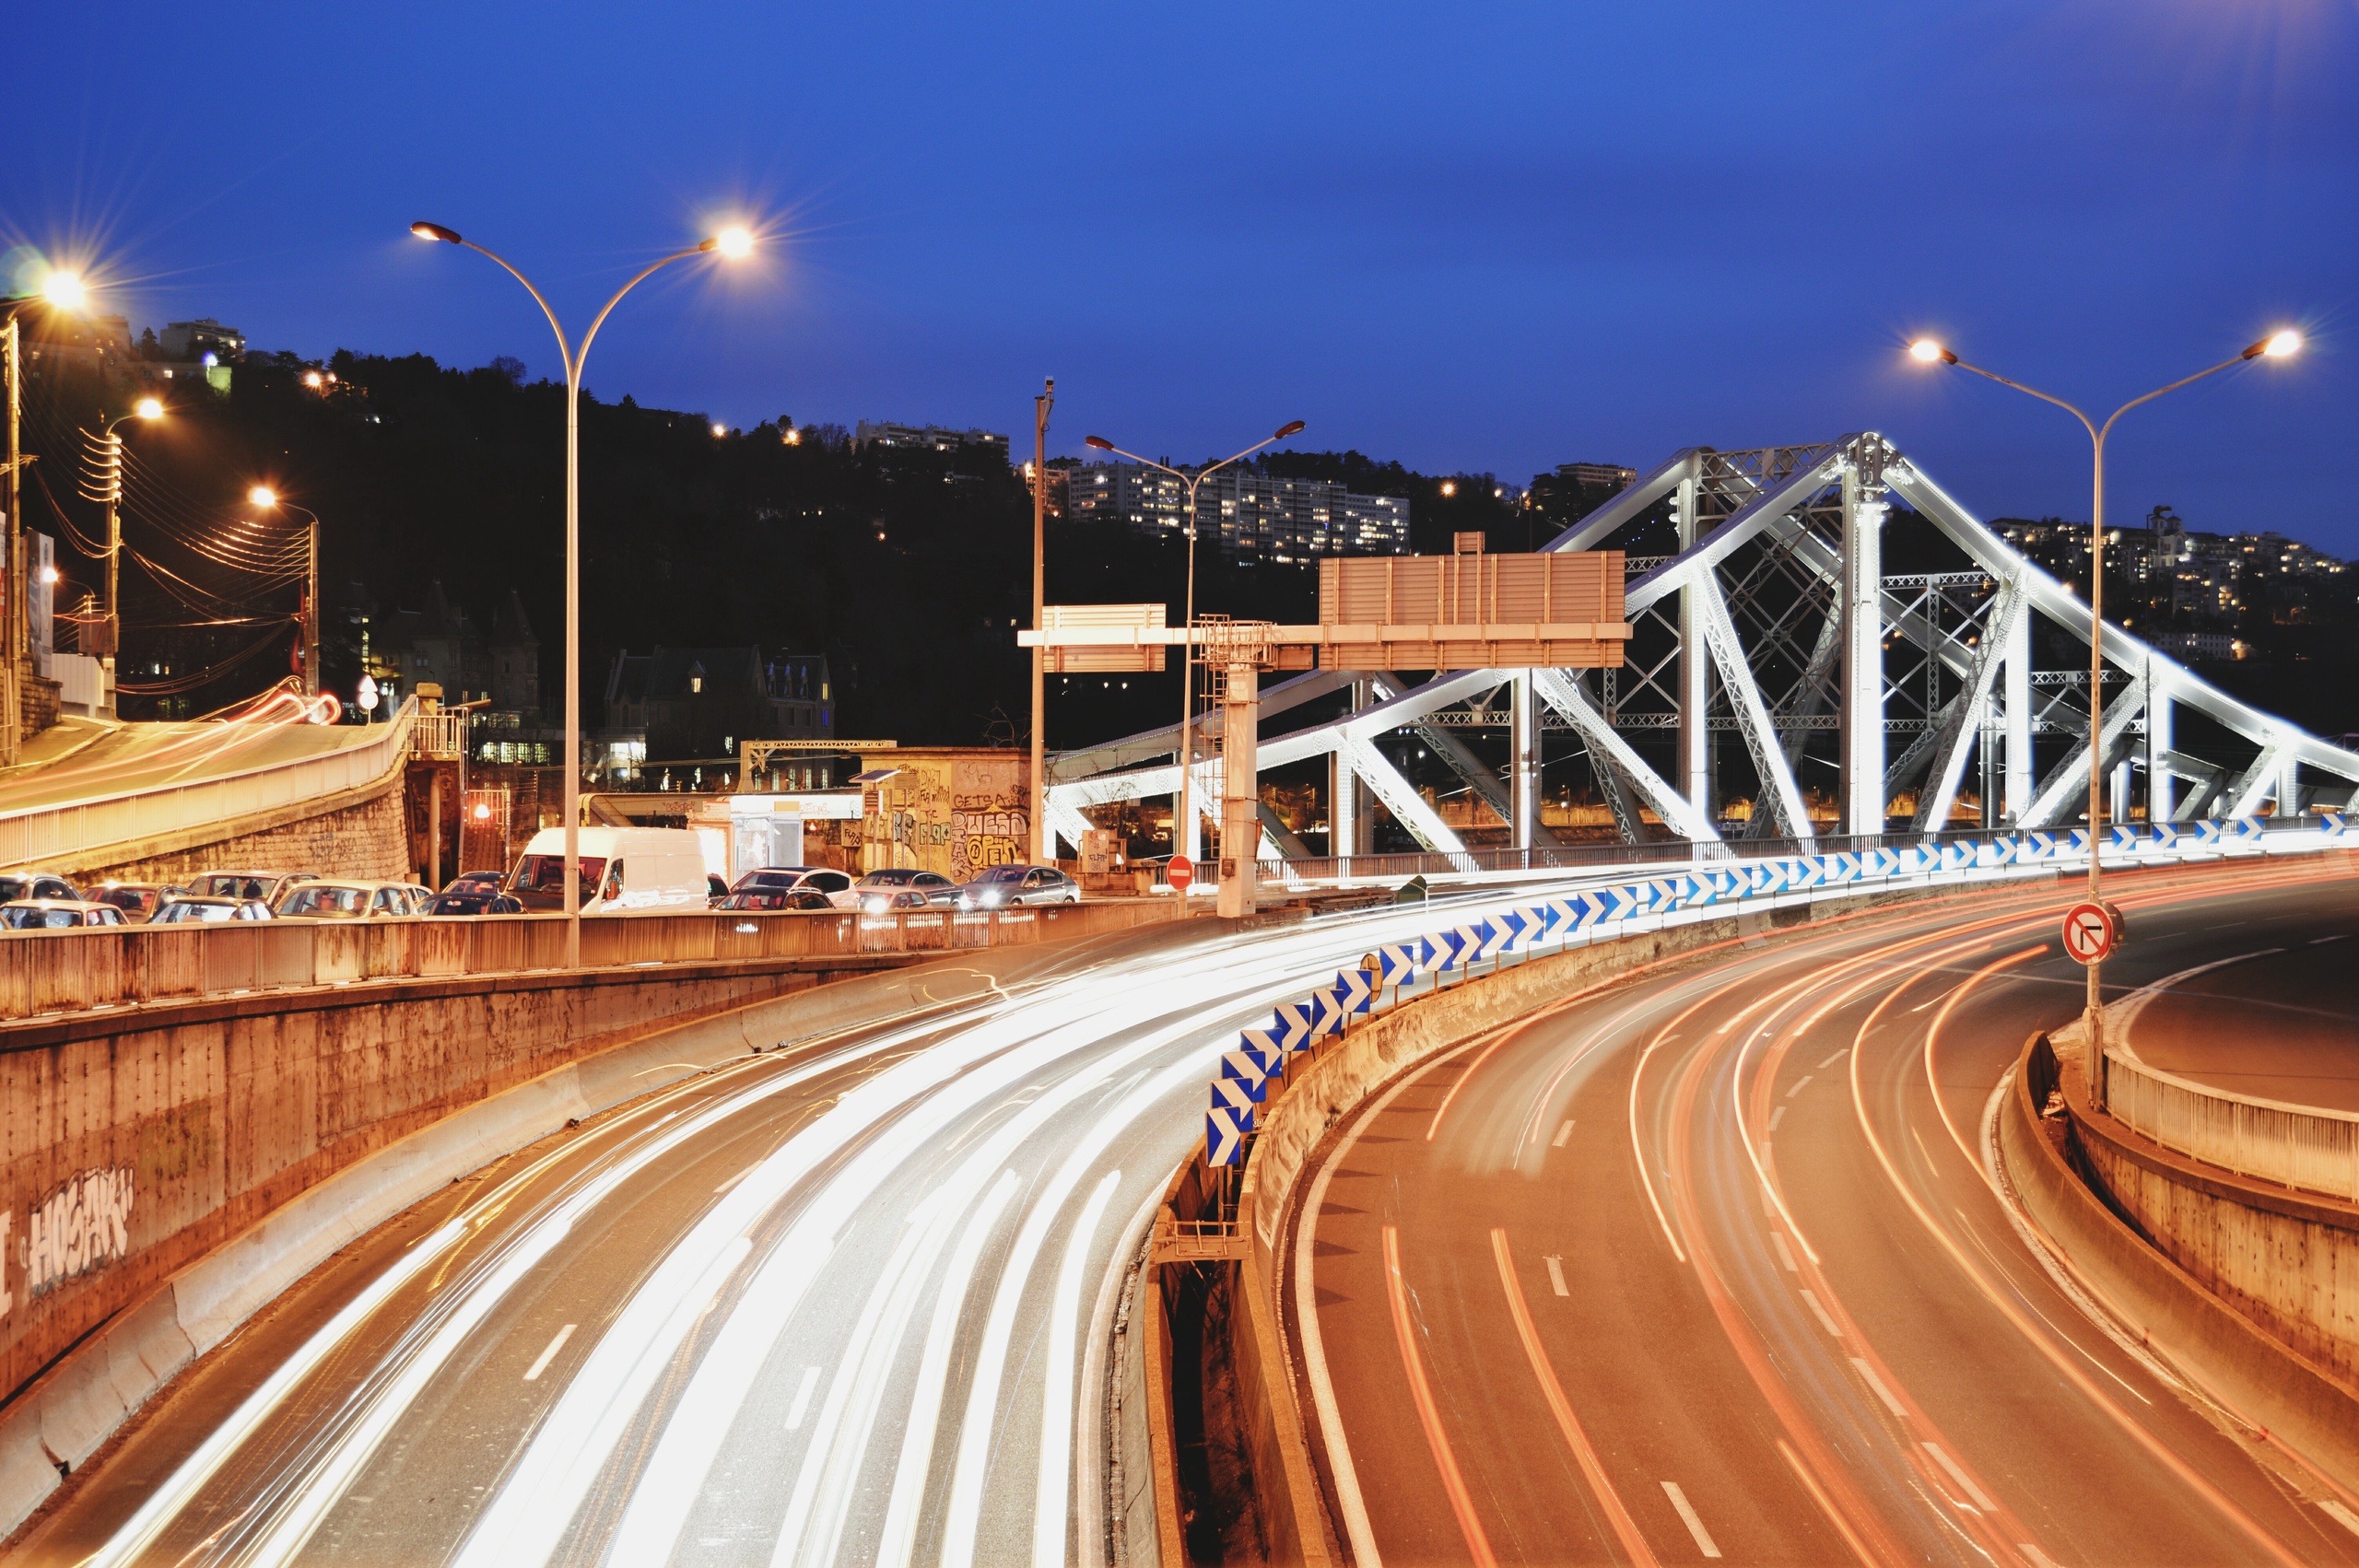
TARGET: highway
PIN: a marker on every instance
(1713, 1264)
(838, 1303)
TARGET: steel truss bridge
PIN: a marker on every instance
(1774, 623)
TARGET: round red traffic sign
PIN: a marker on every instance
(2092, 932)
(1179, 873)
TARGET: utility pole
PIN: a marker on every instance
(1042, 840)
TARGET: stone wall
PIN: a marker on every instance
(133, 1142)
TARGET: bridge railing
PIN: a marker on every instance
(2303, 1147)
(68, 832)
(74, 971)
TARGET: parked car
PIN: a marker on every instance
(57, 914)
(268, 886)
(475, 901)
(417, 895)
(35, 884)
(622, 869)
(137, 900)
(775, 899)
(715, 888)
(475, 882)
(879, 891)
(835, 884)
(1003, 886)
(190, 908)
(323, 899)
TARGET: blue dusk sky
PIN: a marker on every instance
(1470, 238)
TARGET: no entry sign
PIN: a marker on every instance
(1179, 873)
(2092, 932)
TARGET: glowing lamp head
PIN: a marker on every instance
(65, 290)
(2281, 346)
(148, 408)
(263, 496)
(1101, 442)
(1291, 428)
(435, 231)
(483, 813)
(1926, 351)
(734, 241)
(49, 575)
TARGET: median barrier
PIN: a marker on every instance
(137, 1315)
(2245, 1289)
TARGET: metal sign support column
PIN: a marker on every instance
(1862, 733)
(1241, 802)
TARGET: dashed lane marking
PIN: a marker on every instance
(1859, 1365)
(541, 1361)
(1825, 1320)
(1785, 1253)
(801, 1406)
(1801, 1083)
(1556, 1274)
(1688, 1516)
(1838, 1056)
(1957, 1473)
(1775, 1116)
(2340, 1515)
(1562, 1133)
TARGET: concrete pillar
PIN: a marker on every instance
(2289, 784)
(433, 877)
(1240, 806)
(1523, 773)
(2162, 788)
(2117, 799)
(1351, 811)
(2021, 779)
(1694, 776)
(1862, 734)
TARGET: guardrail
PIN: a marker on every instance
(2123, 842)
(2302, 1147)
(68, 833)
(75, 971)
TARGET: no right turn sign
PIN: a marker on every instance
(2092, 932)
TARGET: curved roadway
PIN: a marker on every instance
(842, 1302)
(1713, 1263)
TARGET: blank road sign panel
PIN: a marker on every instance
(1561, 609)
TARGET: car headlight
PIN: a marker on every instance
(874, 906)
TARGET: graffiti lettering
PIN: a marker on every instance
(84, 1225)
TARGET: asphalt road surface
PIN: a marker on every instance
(1712, 1264)
(838, 1303)
(2268, 1013)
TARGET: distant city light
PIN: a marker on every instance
(719, 429)
(1449, 486)
(792, 437)
(313, 378)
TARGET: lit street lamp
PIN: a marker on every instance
(60, 291)
(264, 496)
(1926, 351)
(1182, 826)
(732, 242)
(110, 488)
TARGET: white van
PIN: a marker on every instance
(623, 869)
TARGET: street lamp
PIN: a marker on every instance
(109, 496)
(264, 496)
(1182, 826)
(61, 290)
(733, 242)
(2279, 345)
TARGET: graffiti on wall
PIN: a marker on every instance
(83, 1225)
(956, 814)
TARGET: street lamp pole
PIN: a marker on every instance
(1926, 351)
(732, 242)
(1185, 751)
(1041, 839)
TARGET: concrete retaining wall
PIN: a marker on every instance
(2304, 1403)
(133, 1142)
(365, 834)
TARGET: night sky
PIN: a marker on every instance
(1468, 237)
